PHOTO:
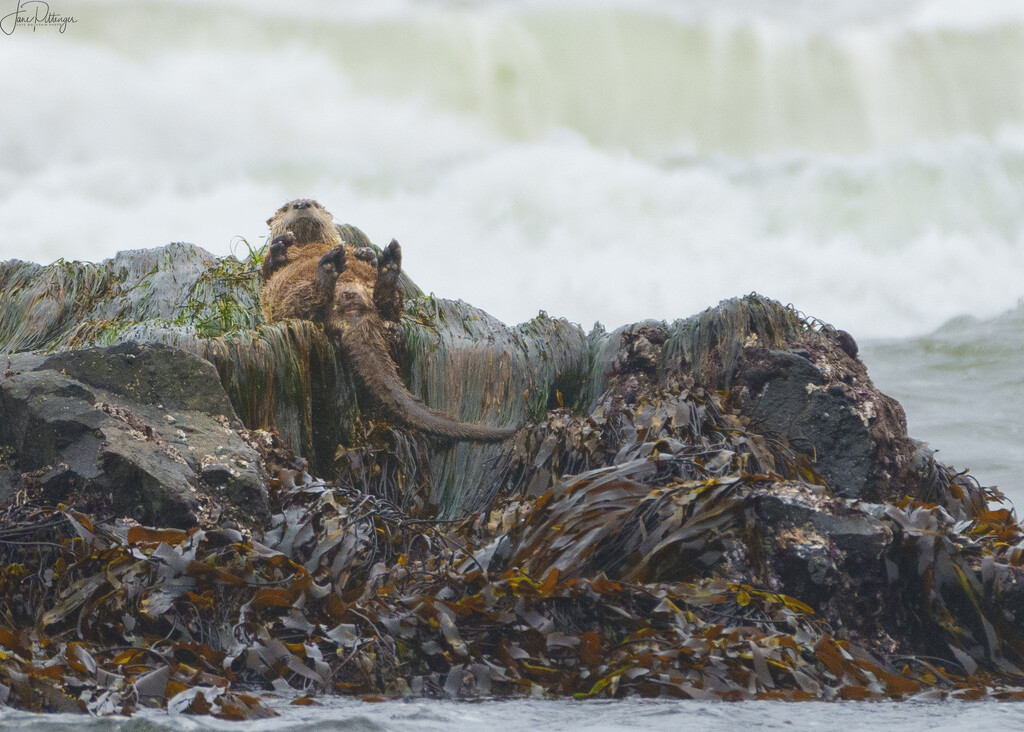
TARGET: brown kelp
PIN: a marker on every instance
(655, 574)
(347, 595)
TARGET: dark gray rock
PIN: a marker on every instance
(787, 395)
(829, 552)
(129, 430)
(859, 534)
(43, 413)
(147, 374)
(9, 481)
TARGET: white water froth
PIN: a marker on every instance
(609, 162)
(339, 714)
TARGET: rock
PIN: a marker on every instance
(155, 374)
(829, 552)
(790, 398)
(88, 426)
(9, 481)
(821, 401)
(658, 453)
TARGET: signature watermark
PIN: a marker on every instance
(34, 14)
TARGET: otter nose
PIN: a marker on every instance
(300, 205)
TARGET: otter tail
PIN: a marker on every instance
(363, 342)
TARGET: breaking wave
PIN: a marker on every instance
(603, 161)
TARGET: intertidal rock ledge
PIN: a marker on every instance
(719, 507)
(145, 432)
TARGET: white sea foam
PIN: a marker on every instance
(608, 161)
(419, 715)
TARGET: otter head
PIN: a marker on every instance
(307, 220)
(352, 297)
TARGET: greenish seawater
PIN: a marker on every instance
(962, 388)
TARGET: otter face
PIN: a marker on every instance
(352, 297)
(306, 219)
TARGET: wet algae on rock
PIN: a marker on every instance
(719, 507)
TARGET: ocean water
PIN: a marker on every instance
(602, 160)
(347, 715)
(962, 387)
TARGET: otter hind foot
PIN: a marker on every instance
(328, 268)
(387, 294)
(390, 263)
(333, 261)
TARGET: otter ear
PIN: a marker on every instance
(269, 220)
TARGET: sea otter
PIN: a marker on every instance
(310, 273)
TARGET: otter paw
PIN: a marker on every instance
(390, 259)
(279, 246)
(334, 260)
(277, 254)
(366, 254)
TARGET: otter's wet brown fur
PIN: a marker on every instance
(297, 288)
(311, 274)
(359, 330)
(302, 233)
